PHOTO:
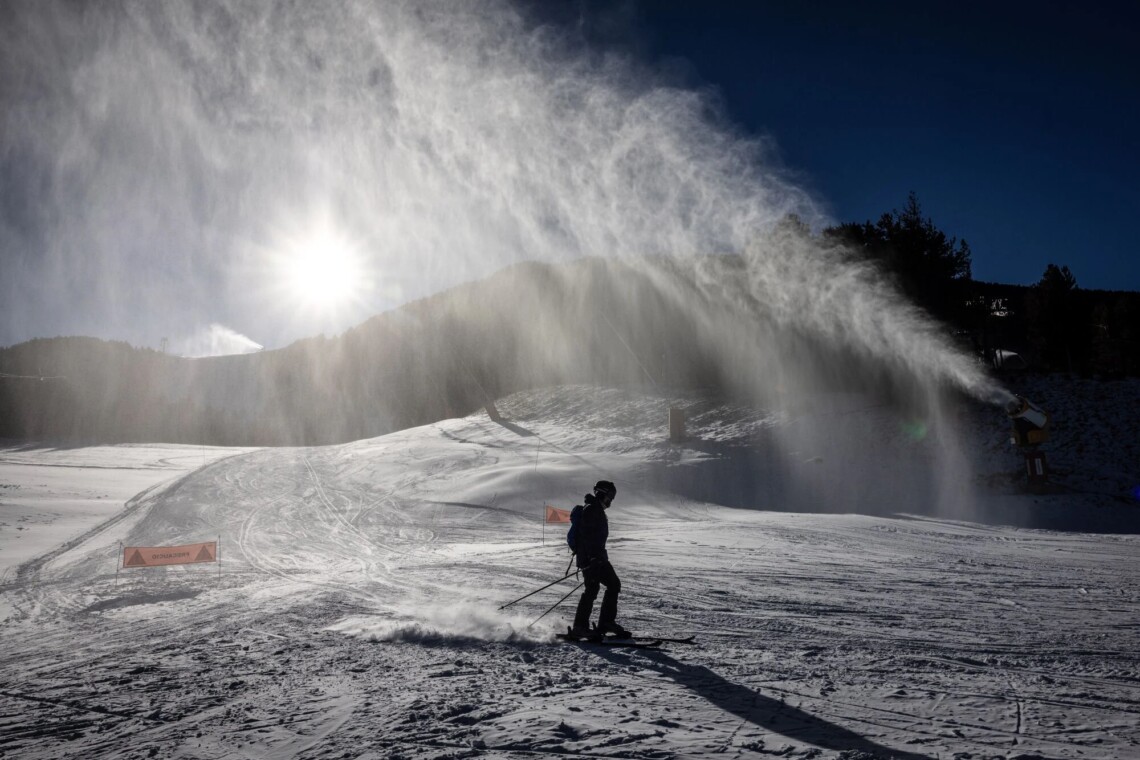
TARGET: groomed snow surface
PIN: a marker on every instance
(354, 611)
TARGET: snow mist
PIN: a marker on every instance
(444, 625)
(173, 152)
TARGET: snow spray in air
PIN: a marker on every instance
(442, 141)
(439, 624)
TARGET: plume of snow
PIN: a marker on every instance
(216, 340)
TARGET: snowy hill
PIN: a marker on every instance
(838, 611)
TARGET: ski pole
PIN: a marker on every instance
(568, 564)
(560, 601)
(532, 593)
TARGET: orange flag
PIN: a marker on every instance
(555, 515)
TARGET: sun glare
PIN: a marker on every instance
(324, 272)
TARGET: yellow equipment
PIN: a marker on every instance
(1030, 422)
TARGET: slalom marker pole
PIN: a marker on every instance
(532, 593)
(560, 601)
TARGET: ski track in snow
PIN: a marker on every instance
(355, 616)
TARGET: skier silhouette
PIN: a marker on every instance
(591, 532)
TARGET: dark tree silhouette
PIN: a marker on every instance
(929, 266)
(1057, 321)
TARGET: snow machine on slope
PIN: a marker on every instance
(1030, 430)
(1030, 423)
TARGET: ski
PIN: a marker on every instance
(644, 643)
(667, 639)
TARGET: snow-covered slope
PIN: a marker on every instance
(46, 492)
(355, 610)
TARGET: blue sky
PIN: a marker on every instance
(1014, 122)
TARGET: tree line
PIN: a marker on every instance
(1051, 326)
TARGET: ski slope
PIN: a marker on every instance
(354, 612)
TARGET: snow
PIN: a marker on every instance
(355, 611)
(49, 494)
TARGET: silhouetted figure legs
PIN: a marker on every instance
(597, 575)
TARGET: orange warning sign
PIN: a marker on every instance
(555, 515)
(153, 556)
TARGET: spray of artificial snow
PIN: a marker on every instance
(216, 340)
(174, 154)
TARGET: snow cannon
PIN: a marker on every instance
(1030, 422)
(1030, 428)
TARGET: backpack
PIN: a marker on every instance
(571, 535)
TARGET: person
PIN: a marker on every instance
(590, 547)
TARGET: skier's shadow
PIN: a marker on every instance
(756, 708)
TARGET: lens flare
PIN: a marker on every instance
(916, 430)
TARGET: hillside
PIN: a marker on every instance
(682, 324)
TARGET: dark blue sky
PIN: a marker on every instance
(1015, 123)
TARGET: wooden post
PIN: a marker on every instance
(676, 424)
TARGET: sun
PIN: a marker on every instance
(324, 271)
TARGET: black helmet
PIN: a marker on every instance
(605, 488)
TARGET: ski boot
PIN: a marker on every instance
(580, 633)
(614, 630)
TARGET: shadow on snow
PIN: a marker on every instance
(758, 709)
